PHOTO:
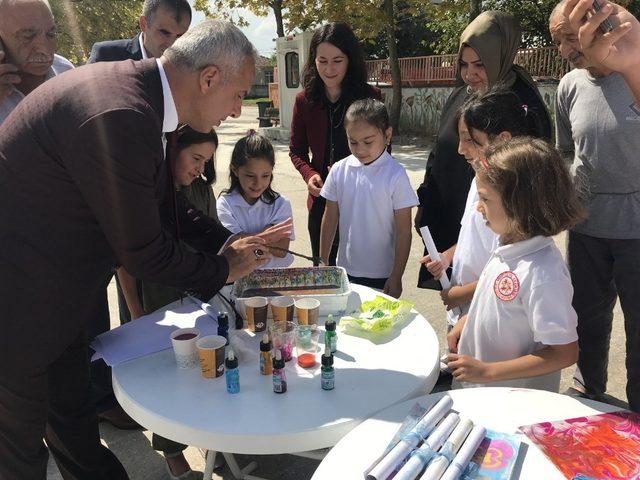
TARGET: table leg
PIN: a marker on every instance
(240, 473)
(313, 454)
(209, 464)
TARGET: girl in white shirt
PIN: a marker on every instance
(521, 328)
(484, 119)
(369, 195)
(250, 205)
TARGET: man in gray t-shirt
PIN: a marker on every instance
(599, 132)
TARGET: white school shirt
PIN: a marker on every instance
(368, 196)
(238, 216)
(522, 303)
(476, 243)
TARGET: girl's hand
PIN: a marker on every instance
(469, 369)
(453, 297)
(314, 185)
(436, 268)
(393, 287)
(276, 232)
(453, 337)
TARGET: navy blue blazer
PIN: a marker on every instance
(116, 50)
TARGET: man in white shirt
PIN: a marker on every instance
(28, 43)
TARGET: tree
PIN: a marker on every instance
(476, 9)
(451, 18)
(227, 8)
(413, 38)
(81, 24)
(369, 19)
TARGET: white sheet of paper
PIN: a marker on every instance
(150, 333)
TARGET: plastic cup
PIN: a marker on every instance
(307, 311)
(184, 346)
(211, 353)
(307, 345)
(256, 313)
(282, 309)
(282, 335)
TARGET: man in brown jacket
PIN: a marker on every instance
(81, 175)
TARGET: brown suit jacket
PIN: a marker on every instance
(81, 179)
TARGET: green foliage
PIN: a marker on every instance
(413, 36)
(448, 20)
(81, 24)
(632, 5)
(533, 17)
(452, 16)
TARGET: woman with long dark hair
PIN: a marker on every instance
(334, 76)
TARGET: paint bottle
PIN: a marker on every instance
(279, 377)
(223, 325)
(328, 374)
(231, 373)
(266, 365)
(330, 334)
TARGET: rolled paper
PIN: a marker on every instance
(465, 453)
(434, 254)
(422, 456)
(456, 439)
(441, 461)
(436, 468)
(408, 443)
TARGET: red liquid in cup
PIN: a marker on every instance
(307, 360)
(185, 336)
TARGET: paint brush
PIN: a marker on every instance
(312, 259)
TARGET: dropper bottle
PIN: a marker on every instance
(231, 373)
(279, 377)
(327, 372)
(266, 366)
(330, 334)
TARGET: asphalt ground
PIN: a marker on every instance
(134, 448)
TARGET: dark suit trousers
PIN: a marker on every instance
(314, 225)
(53, 404)
(601, 270)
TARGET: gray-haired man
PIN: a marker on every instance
(27, 46)
(598, 128)
(79, 193)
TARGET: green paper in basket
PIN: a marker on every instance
(377, 315)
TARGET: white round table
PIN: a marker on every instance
(499, 409)
(181, 405)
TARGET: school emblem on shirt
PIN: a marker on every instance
(506, 286)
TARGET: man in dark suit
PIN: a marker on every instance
(161, 23)
(79, 195)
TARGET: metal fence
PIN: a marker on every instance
(541, 63)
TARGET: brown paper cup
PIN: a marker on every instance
(282, 309)
(256, 313)
(307, 311)
(211, 355)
